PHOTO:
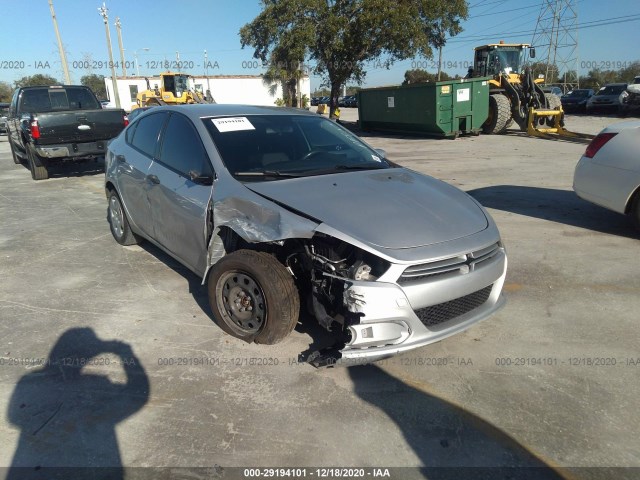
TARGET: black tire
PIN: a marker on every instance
(553, 103)
(119, 223)
(16, 159)
(499, 114)
(253, 297)
(38, 172)
(635, 211)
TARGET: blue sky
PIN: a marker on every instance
(192, 26)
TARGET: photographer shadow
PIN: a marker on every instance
(67, 412)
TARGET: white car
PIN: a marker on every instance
(608, 174)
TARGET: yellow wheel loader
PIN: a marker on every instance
(514, 95)
(174, 89)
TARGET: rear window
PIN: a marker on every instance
(145, 136)
(54, 99)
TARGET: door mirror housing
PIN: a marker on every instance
(532, 52)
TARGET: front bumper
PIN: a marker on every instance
(390, 325)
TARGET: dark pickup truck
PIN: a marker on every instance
(53, 124)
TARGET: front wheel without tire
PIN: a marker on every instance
(253, 297)
(119, 223)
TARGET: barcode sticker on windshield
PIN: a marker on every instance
(232, 124)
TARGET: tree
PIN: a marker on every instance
(95, 83)
(540, 68)
(422, 76)
(340, 36)
(37, 79)
(5, 92)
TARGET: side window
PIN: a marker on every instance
(130, 131)
(182, 148)
(145, 137)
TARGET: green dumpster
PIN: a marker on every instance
(442, 109)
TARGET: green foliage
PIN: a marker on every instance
(5, 92)
(341, 36)
(305, 101)
(279, 102)
(597, 78)
(422, 76)
(37, 79)
(95, 83)
(540, 68)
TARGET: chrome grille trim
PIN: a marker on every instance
(460, 264)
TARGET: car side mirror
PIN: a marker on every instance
(532, 52)
(201, 178)
(382, 152)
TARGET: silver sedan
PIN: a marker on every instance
(608, 174)
(275, 207)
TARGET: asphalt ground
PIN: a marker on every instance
(551, 381)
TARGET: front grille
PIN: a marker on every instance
(442, 312)
(460, 264)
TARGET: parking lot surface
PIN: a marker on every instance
(550, 381)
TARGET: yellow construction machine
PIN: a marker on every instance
(174, 89)
(514, 95)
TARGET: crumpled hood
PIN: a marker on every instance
(391, 208)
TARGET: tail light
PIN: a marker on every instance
(125, 120)
(597, 143)
(35, 129)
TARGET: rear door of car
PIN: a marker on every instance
(179, 204)
(133, 169)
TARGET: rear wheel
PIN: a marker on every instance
(119, 223)
(499, 114)
(253, 297)
(16, 159)
(38, 172)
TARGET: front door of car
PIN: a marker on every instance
(178, 203)
(133, 165)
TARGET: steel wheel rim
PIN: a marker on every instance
(115, 216)
(242, 302)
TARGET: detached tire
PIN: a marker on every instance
(16, 159)
(38, 172)
(499, 115)
(118, 222)
(554, 103)
(253, 297)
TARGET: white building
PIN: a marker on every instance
(237, 89)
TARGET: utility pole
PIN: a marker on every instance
(206, 74)
(63, 56)
(557, 33)
(119, 29)
(105, 17)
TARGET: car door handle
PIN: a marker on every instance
(120, 158)
(153, 179)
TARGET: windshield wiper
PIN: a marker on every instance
(268, 173)
(370, 166)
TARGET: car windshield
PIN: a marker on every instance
(268, 147)
(579, 93)
(612, 90)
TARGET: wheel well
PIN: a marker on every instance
(108, 188)
(632, 198)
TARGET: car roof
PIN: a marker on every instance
(196, 111)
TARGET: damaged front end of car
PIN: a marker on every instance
(357, 292)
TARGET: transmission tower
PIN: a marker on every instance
(556, 38)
